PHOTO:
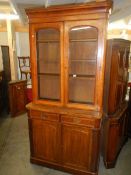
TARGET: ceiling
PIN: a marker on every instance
(121, 8)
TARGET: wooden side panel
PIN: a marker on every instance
(113, 80)
(107, 76)
(118, 73)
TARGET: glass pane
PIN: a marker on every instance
(49, 87)
(82, 64)
(48, 57)
(81, 89)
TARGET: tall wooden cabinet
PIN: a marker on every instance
(115, 106)
(68, 45)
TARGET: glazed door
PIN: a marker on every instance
(84, 64)
(47, 73)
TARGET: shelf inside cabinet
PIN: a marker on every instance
(47, 41)
(84, 40)
(47, 61)
(81, 76)
(53, 74)
(82, 60)
(84, 67)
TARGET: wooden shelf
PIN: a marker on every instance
(54, 99)
(49, 62)
(84, 40)
(73, 101)
(81, 76)
(82, 60)
(47, 41)
(54, 74)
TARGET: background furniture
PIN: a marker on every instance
(24, 66)
(115, 105)
(1, 91)
(67, 79)
(18, 99)
(29, 94)
(6, 76)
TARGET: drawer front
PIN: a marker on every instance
(44, 115)
(90, 122)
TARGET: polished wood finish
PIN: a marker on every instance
(55, 134)
(68, 45)
(17, 96)
(115, 106)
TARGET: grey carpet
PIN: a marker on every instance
(15, 154)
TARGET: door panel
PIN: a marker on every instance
(45, 140)
(76, 145)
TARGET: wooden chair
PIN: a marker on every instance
(24, 65)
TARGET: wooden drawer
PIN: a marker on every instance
(44, 115)
(75, 119)
(35, 114)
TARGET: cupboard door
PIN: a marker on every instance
(49, 43)
(45, 140)
(76, 146)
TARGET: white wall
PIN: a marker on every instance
(22, 44)
(3, 41)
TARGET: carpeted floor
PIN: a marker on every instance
(15, 154)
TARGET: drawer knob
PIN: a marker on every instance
(18, 87)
